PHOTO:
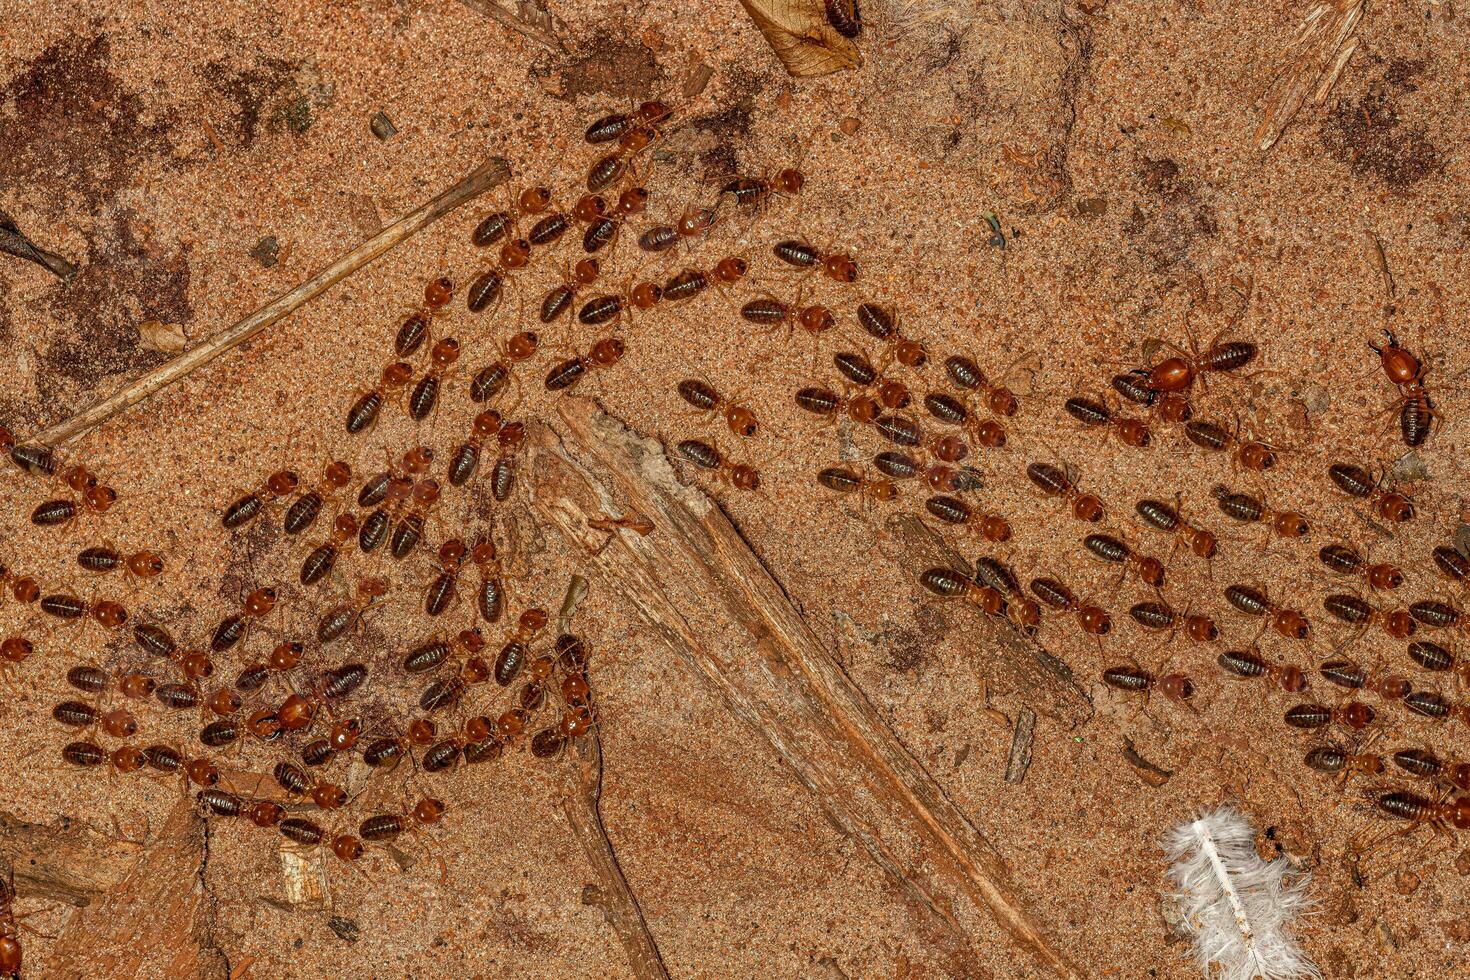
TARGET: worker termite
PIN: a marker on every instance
(1055, 482)
(560, 298)
(1113, 550)
(703, 396)
(706, 456)
(466, 458)
(1252, 455)
(103, 559)
(614, 126)
(487, 289)
(497, 226)
(692, 224)
(948, 583)
(773, 313)
(1247, 509)
(759, 191)
(604, 230)
(302, 513)
(1346, 560)
(503, 473)
(837, 266)
(1354, 716)
(939, 476)
(845, 480)
(417, 326)
(362, 415)
(513, 654)
(688, 284)
(880, 323)
(409, 530)
(1252, 601)
(493, 378)
(425, 393)
(861, 408)
(952, 411)
(1158, 616)
(1355, 481)
(1250, 664)
(1091, 619)
(956, 513)
(1342, 763)
(998, 398)
(434, 653)
(1417, 413)
(1437, 614)
(323, 558)
(1093, 413)
(1424, 764)
(1353, 609)
(844, 17)
(1176, 687)
(1347, 674)
(445, 588)
(1443, 815)
(1167, 518)
(1454, 566)
(232, 629)
(632, 142)
(610, 307)
(605, 353)
(336, 621)
(1021, 609)
(298, 711)
(97, 498)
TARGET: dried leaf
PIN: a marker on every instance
(157, 335)
(798, 32)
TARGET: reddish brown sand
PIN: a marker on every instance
(158, 144)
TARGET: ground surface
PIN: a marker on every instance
(159, 146)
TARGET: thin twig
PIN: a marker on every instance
(540, 29)
(580, 803)
(697, 579)
(14, 242)
(488, 175)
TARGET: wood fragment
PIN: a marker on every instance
(576, 592)
(1020, 758)
(488, 175)
(698, 78)
(697, 578)
(153, 923)
(1314, 59)
(68, 862)
(530, 18)
(14, 242)
(1007, 658)
(580, 801)
(304, 873)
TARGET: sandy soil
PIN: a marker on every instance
(159, 145)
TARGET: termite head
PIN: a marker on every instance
(1170, 374)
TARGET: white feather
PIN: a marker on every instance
(1240, 907)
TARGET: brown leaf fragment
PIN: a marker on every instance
(803, 40)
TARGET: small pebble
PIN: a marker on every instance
(265, 251)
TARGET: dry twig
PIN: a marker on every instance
(531, 19)
(14, 242)
(1020, 757)
(1317, 55)
(697, 578)
(488, 175)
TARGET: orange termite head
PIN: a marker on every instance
(145, 564)
(7, 440)
(511, 435)
(1400, 366)
(815, 319)
(533, 620)
(483, 553)
(445, 352)
(438, 292)
(743, 477)
(653, 112)
(1176, 687)
(452, 553)
(534, 200)
(337, 474)
(633, 201)
(374, 588)
(260, 602)
(585, 272)
(842, 268)
(397, 374)
(790, 181)
(487, 423)
(1170, 374)
(607, 352)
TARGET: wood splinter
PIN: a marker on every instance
(697, 578)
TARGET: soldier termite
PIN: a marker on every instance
(1417, 413)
